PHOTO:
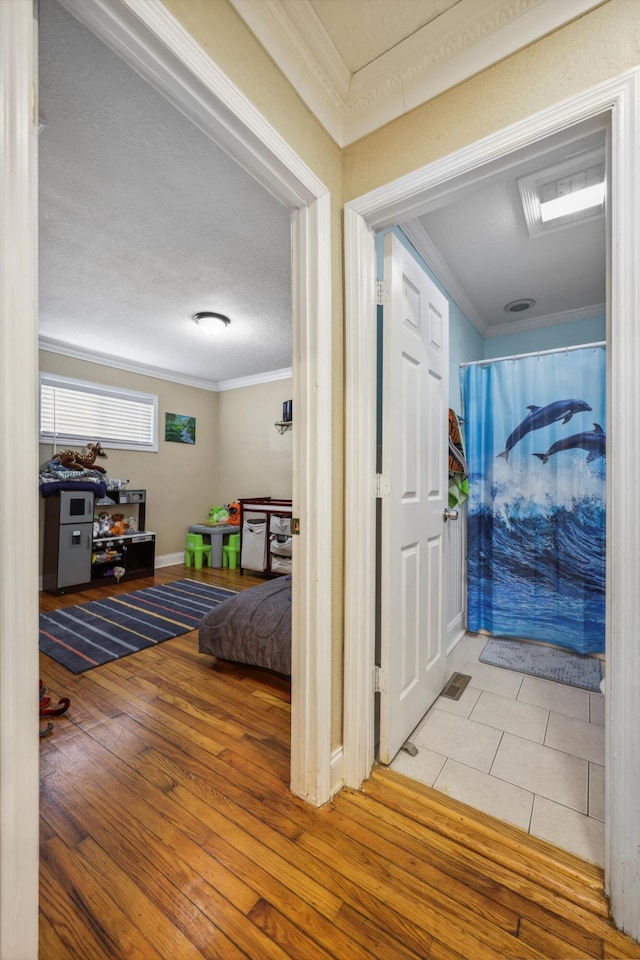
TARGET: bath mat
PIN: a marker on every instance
(549, 663)
(90, 634)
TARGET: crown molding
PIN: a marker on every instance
(285, 374)
(158, 373)
(550, 320)
(468, 38)
(295, 39)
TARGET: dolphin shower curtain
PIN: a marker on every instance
(535, 440)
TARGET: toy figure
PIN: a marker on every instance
(75, 460)
(118, 525)
(104, 524)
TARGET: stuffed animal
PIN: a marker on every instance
(234, 514)
(118, 525)
(104, 525)
(218, 515)
(86, 460)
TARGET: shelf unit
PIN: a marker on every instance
(266, 507)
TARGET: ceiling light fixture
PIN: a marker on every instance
(565, 193)
(517, 306)
(211, 323)
(575, 202)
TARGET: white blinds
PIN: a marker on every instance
(75, 411)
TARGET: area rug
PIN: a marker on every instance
(549, 663)
(91, 634)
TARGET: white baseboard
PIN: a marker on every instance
(455, 632)
(337, 770)
(169, 559)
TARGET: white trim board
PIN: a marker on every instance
(158, 373)
(19, 749)
(618, 100)
(175, 63)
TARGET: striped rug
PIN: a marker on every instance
(90, 634)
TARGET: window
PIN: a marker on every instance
(75, 411)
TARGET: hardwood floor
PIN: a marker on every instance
(168, 833)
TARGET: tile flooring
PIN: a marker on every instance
(524, 750)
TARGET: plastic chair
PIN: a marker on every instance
(230, 552)
(196, 549)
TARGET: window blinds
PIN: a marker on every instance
(75, 411)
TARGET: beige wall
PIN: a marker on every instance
(238, 452)
(255, 460)
(180, 478)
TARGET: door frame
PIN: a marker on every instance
(407, 197)
(157, 46)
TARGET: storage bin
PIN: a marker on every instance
(281, 546)
(254, 545)
(281, 564)
(281, 526)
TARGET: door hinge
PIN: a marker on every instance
(376, 678)
(295, 525)
(383, 487)
(382, 293)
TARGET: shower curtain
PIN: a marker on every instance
(535, 441)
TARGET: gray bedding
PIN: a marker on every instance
(253, 627)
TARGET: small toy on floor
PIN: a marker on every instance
(46, 710)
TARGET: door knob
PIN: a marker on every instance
(448, 514)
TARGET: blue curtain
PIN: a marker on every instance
(535, 441)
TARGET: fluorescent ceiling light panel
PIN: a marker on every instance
(564, 193)
(572, 203)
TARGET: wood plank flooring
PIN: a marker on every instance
(168, 832)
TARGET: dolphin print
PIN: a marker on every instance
(539, 417)
(594, 441)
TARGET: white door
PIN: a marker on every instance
(414, 468)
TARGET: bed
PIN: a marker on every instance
(253, 628)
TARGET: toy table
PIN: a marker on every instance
(214, 534)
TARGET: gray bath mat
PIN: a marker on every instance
(549, 663)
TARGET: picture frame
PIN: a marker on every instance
(179, 428)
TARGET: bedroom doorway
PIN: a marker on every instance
(389, 205)
(180, 64)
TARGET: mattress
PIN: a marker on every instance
(253, 628)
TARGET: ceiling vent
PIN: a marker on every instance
(564, 194)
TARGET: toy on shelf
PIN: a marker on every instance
(104, 525)
(82, 460)
(118, 525)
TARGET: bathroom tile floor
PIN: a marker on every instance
(524, 750)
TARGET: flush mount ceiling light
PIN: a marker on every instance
(211, 323)
(565, 193)
(518, 306)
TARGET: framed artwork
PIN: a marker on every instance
(179, 428)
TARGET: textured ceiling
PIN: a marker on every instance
(144, 221)
(362, 30)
